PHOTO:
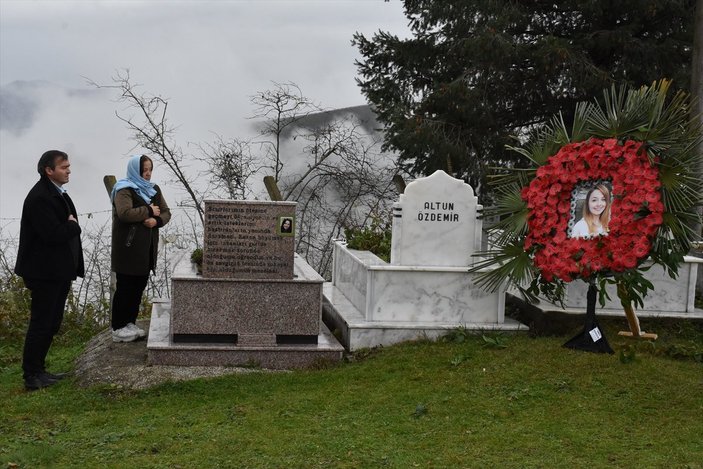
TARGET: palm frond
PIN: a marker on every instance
(616, 117)
(511, 212)
(579, 129)
(500, 177)
(510, 263)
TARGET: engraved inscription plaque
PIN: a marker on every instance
(243, 239)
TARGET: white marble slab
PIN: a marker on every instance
(426, 290)
(388, 292)
(356, 332)
(434, 297)
(373, 303)
(669, 295)
(435, 224)
(350, 273)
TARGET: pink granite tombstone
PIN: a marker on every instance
(256, 301)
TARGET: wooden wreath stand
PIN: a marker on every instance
(632, 320)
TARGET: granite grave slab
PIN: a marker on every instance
(256, 301)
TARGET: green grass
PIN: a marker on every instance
(510, 401)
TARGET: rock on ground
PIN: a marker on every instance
(124, 365)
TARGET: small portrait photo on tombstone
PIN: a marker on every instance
(590, 209)
(285, 226)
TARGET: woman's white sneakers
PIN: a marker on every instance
(138, 330)
(128, 333)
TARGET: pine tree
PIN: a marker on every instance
(477, 74)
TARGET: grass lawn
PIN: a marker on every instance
(514, 401)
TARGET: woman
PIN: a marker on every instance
(596, 213)
(287, 226)
(138, 211)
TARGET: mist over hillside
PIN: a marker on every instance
(17, 108)
(21, 101)
(39, 115)
(363, 115)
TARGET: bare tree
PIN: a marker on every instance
(93, 290)
(175, 242)
(339, 177)
(231, 166)
(336, 172)
(347, 181)
(153, 131)
(279, 109)
(8, 249)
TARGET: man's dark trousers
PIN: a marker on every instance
(48, 304)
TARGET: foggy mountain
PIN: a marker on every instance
(20, 102)
(363, 114)
(38, 115)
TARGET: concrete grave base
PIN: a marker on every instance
(266, 323)
(162, 351)
(242, 310)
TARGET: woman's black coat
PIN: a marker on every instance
(134, 246)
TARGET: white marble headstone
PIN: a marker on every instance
(435, 223)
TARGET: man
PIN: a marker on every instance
(49, 258)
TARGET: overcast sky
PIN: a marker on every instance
(206, 57)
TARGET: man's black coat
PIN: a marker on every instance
(50, 245)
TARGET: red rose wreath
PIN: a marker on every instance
(641, 145)
(636, 211)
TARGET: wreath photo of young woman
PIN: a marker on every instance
(618, 189)
(590, 209)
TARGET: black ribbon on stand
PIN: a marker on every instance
(591, 339)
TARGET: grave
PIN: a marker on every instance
(426, 290)
(257, 303)
(671, 298)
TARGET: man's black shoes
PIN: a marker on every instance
(39, 381)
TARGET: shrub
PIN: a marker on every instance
(82, 320)
(375, 238)
(197, 258)
(15, 301)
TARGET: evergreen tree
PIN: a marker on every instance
(476, 74)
